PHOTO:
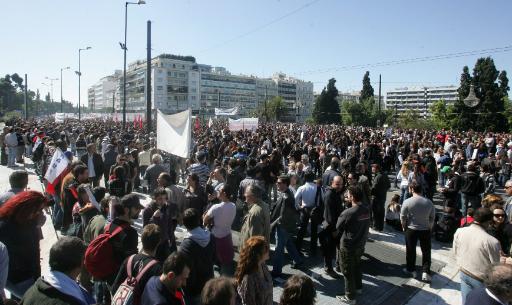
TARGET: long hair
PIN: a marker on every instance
(250, 256)
(298, 290)
(405, 169)
(22, 206)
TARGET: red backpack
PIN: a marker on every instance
(99, 257)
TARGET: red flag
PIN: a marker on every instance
(141, 124)
(50, 187)
(198, 124)
(134, 122)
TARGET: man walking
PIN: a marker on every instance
(353, 226)
(257, 220)
(284, 221)
(307, 197)
(417, 217)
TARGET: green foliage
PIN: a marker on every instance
(274, 110)
(12, 99)
(411, 118)
(441, 114)
(178, 57)
(491, 87)
(364, 113)
(327, 109)
(367, 91)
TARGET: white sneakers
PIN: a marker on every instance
(425, 277)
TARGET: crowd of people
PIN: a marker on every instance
(302, 187)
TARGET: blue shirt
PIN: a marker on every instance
(155, 293)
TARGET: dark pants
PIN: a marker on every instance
(305, 215)
(411, 239)
(328, 244)
(3, 156)
(350, 261)
(378, 214)
(95, 181)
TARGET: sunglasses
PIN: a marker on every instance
(499, 215)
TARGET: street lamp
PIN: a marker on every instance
(47, 86)
(79, 73)
(61, 100)
(51, 86)
(471, 100)
(123, 46)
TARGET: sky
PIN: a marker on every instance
(314, 40)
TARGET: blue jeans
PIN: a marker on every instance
(101, 292)
(467, 284)
(283, 240)
(57, 213)
(404, 193)
(469, 201)
(11, 158)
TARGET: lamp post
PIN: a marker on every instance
(61, 100)
(123, 46)
(51, 86)
(79, 76)
(47, 86)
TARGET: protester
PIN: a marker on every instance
(284, 219)
(500, 229)
(257, 220)
(475, 251)
(198, 245)
(153, 171)
(417, 216)
(18, 180)
(352, 225)
(164, 214)
(333, 207)
(19, 219)
(497, 290)
(151, 237)
(200, 168)
(166, 289)
(94, 164)
(253, 280)
(298, 290)
(219, 218)
(219, 291)
(307, 198)
(59, 286)
(195, 195)
(379, 189)
(393, 212)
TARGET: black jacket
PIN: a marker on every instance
(42, 293)
(97, 162)
(353, 225)
(472, 184)
(333, 206)
(380, 186)
(284, 212)
(201, 268)
(328, 176)
(138, 263)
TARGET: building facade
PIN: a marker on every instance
(420, 98)
(179, 83)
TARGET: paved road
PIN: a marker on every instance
(383, 280)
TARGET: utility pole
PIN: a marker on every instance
(148, 79)
(26, 97)
(426, 94)
(266, 115)
(378, 120)
(114, 101)
(218, 97)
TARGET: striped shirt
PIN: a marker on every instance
(202, 170)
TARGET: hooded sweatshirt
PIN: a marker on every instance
(199, 248)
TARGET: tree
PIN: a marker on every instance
(367, 91)
(327, 109)
(490, 113)
(442, 114)
(276, 108)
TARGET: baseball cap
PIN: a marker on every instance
(445, 169)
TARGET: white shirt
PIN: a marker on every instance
(11, 140)
(145, 158)
(223, 215)
(90, 166)
(306, 194)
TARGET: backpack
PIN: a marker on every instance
(99, 257)
(129, 291)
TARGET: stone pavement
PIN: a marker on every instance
(383, 279)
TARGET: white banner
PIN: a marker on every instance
(243, 124)
(58, 164)
(173, 132)
(229, 111)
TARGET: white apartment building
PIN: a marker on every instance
(419, 98)
(102, 94)
(178, 82)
